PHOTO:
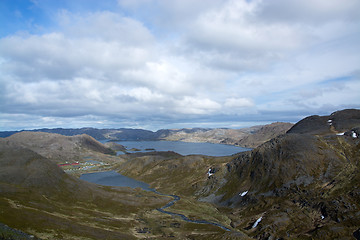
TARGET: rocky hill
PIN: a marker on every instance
(61, 148)
(304, 184)
(245, 137)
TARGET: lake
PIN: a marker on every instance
(183, 148)
(112, 178)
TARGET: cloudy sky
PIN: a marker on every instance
(175, 63)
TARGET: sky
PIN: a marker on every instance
(156, 64)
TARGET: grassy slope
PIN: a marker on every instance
(38, 198)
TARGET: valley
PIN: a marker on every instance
(298, 183)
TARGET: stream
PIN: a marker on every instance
(182, 216)
(112, 178)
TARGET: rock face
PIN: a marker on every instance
(304, 184)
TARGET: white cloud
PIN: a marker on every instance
(196, 105)
(143, 94)
(185, 59)
(315, 12)
(239, 102)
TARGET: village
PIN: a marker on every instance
(69, 167)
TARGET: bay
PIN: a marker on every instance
(183, 148)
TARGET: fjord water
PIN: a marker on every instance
(183, 148)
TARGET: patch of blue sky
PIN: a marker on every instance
(342, 79)
(19, 16)
(39, 16)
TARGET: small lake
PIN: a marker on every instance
(112, 178)
(183, 148)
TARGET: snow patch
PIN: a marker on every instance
(322, 217)
(209, 172)
(257, 222)
(354, 135)
(243, 193)
(329, 122)
(340, 134)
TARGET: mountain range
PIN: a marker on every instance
(302, 184)
(246, 137)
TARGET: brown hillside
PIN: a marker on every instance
(60, 148)
(38, 198)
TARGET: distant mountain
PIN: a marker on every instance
(98, 134)
(245, 137)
